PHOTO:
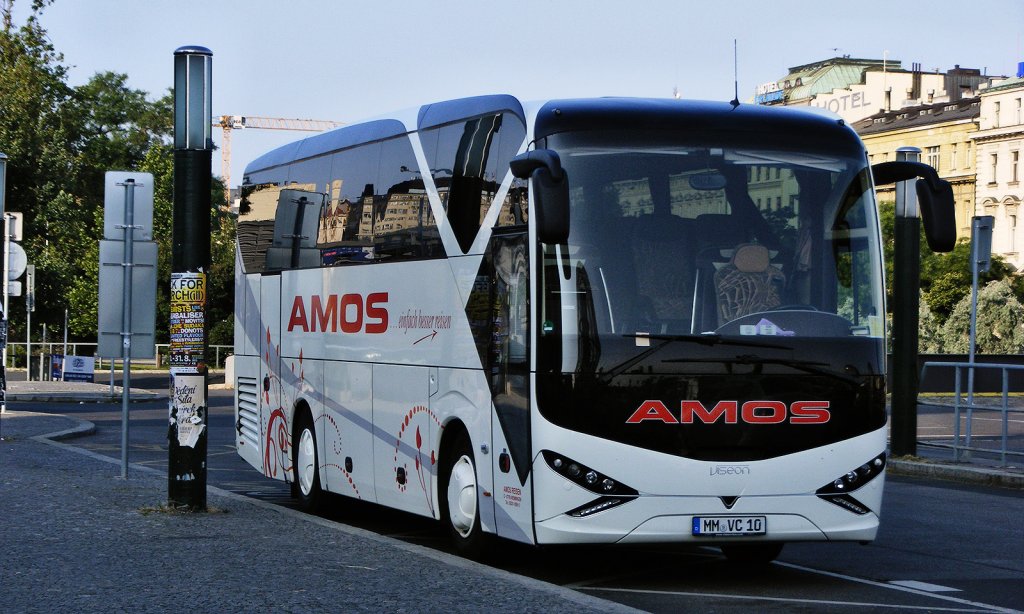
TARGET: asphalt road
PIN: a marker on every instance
(942, 547)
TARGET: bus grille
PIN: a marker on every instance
(248, 411)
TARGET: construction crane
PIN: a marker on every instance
(239, 122)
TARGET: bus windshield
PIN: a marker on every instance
(672, 238)
(706, 256)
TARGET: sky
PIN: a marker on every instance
(347, 61)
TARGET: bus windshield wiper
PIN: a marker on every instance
(807, 366)
(708, 339)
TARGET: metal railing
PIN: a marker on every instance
(965, 440)
(16, 354)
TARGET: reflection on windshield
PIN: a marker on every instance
(672, 239)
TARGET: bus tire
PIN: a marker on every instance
(752, 554)
(459, 499)
(305, 464)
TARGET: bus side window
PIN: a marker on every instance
(469, 160)
(352, 173)
(296, 225)
(256, 212)
(403, 226)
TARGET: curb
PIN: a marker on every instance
(81, 429)
(957, 473)
(79, 397)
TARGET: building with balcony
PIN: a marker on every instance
(998, 143)
(944, 133)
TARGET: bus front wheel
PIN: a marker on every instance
(460, 505)
(306, 478)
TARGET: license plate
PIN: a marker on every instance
(718, 526)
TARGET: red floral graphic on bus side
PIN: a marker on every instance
(336, 444)
(424, 474)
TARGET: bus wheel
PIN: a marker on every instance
(752, 554)
(306, 467)
(460, 505)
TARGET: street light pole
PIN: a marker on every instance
(190, 261)
(3, 316)
(905, 318)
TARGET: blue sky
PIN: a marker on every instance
(346, 61)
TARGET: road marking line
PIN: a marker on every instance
(925, 586)
(992, 608)
(782, 599)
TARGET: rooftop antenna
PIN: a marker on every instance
(735, 102)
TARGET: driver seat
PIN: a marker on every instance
(749, 283)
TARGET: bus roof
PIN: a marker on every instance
(556, 116)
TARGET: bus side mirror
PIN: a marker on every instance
(938, 212)
(550, 188)
(934, 197)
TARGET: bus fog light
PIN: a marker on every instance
(855, 479)
(587, 478)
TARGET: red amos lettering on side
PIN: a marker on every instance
(350, 313)
(376, 313)
(298, 317)
(732, 412)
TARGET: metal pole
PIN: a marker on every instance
(190, 260)
(64, 352)
(3, 223)
(906, 301)
(7, 298)
(126, 317)
(981, 253)
(28, 337)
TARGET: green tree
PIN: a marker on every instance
(1000, 325)
(38, 136)
(60, 141)
(945, 278)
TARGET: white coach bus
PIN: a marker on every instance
(575, 321)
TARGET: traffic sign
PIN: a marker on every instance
(114, 201)
(16, 261)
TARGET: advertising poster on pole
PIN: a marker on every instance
(187, 343)
(188, 322)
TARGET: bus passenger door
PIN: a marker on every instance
(403, 431)
(275, 428)
(509, 374)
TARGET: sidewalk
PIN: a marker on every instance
(78, 538)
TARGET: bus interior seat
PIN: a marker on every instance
(663, 259)
(750, 283)
(716, 235)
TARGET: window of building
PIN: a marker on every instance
(994, 178)
(952, 157)
(933, 157)
(968, 160)
(995, 114)
(1014, 160)
(1017, 119)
